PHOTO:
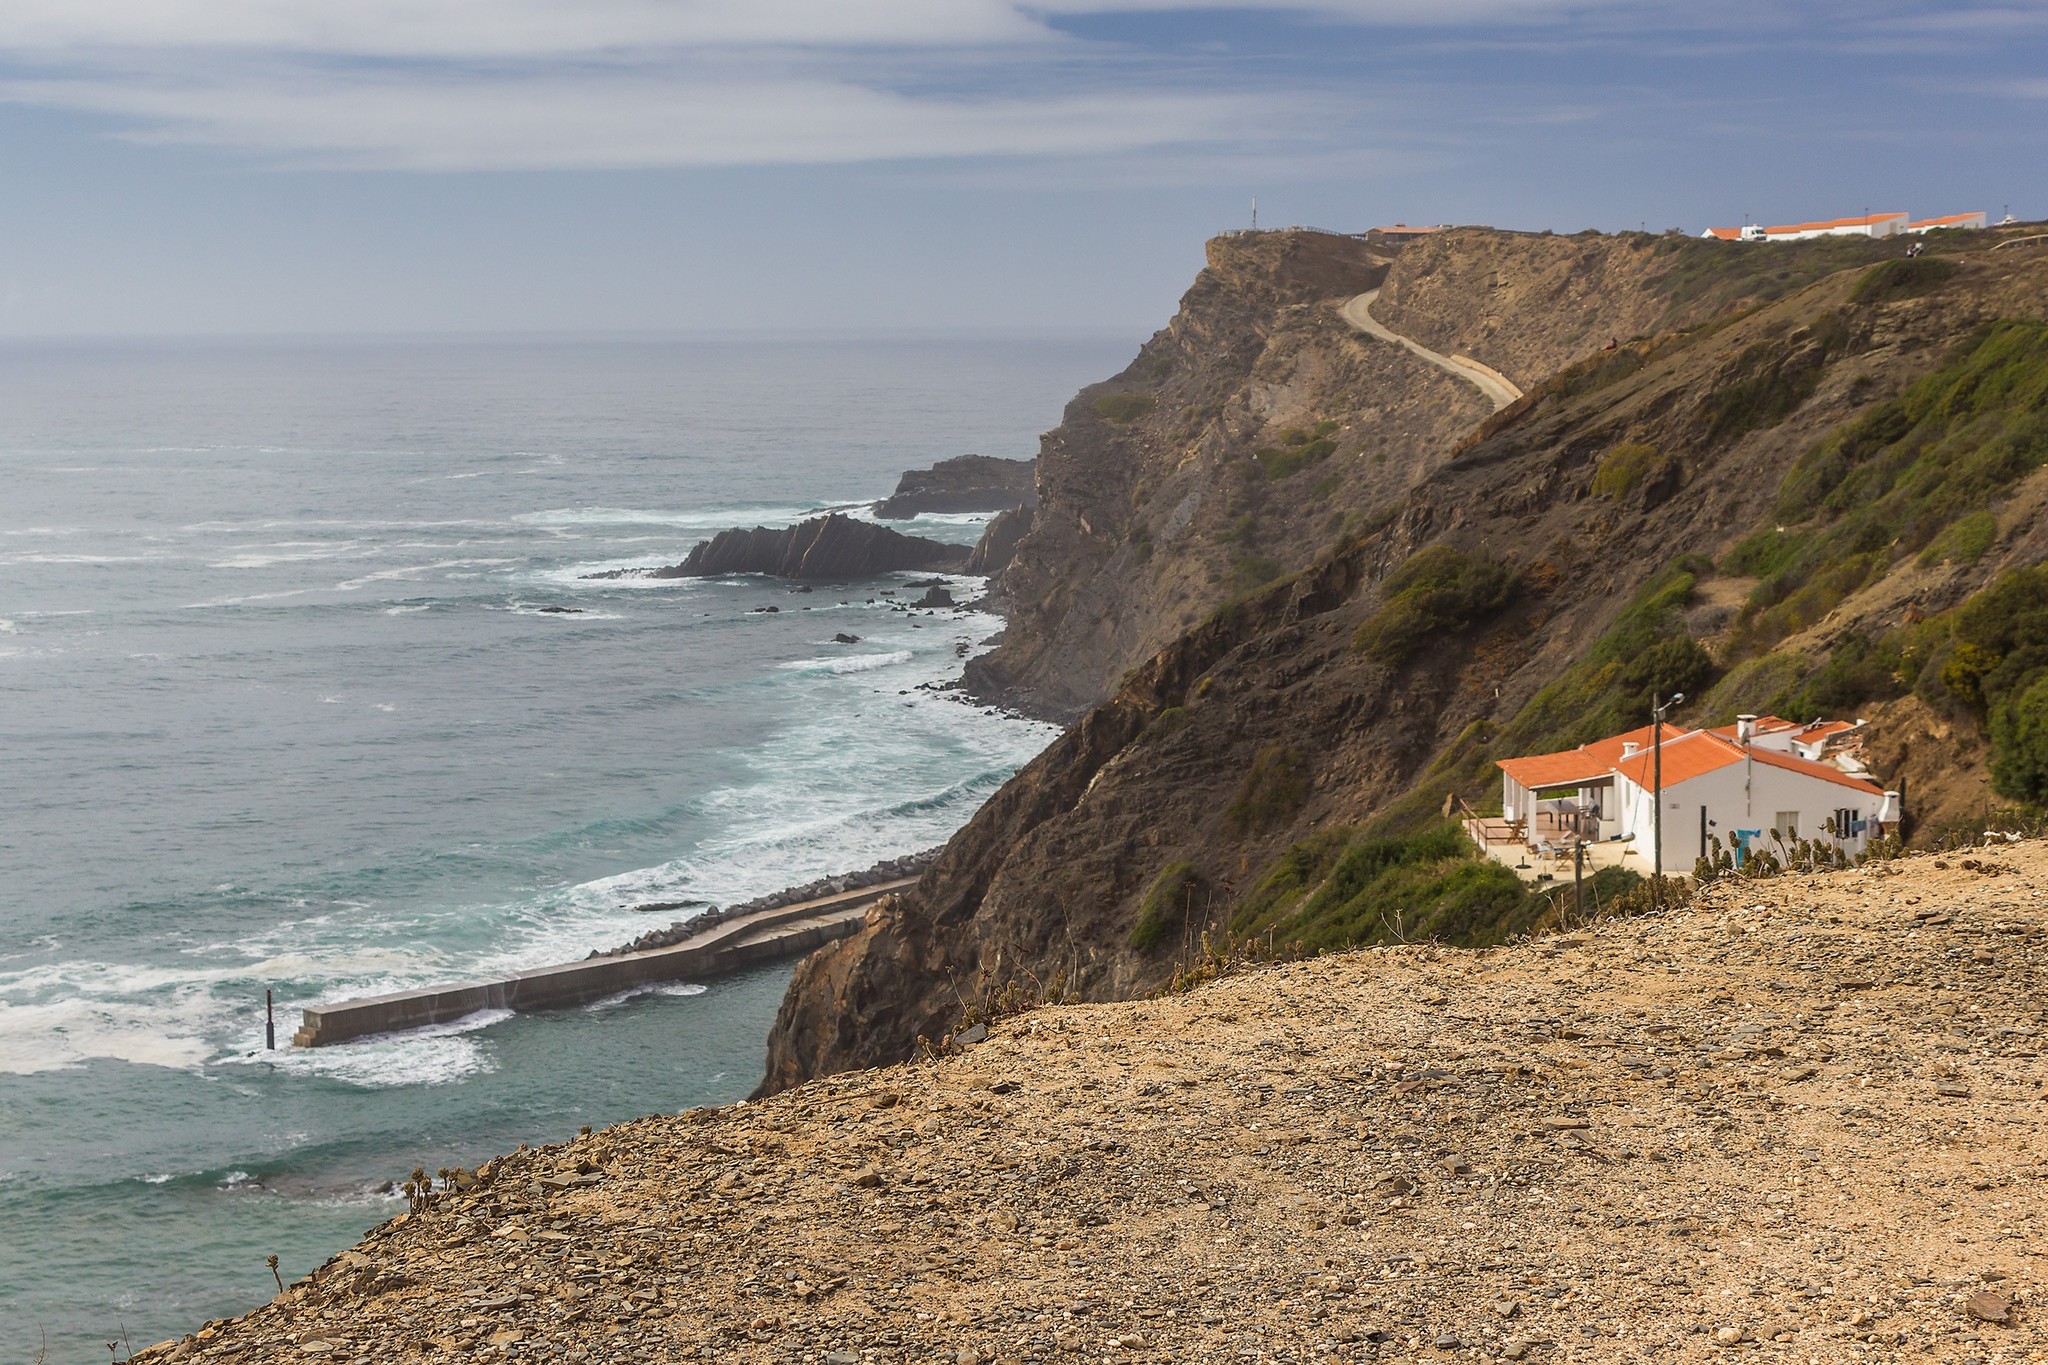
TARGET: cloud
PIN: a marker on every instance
(640, 119)
(548, 84)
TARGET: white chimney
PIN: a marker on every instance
(1629, 748)
(1890, 812)
(1745, 729)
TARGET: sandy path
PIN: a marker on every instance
(1496, 386)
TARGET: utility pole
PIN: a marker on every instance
(1579, 879)
(1657, 710)
(1255, 213)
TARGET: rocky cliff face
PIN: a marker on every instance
(965, 483)
(1612, 517)
(828, 547)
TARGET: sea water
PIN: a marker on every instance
(304, 687)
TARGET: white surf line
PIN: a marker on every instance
(1498, 388)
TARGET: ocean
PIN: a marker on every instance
(303, 689)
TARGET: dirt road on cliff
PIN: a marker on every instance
(1498, 388)
(1799, 1122)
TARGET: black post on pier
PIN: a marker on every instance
(269, 1023)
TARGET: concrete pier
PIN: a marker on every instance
(786, 931)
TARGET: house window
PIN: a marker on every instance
(1786, 826)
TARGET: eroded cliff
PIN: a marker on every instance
(1598, 540)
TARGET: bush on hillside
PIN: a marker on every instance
(2019, 745)
(1438, 590)
(1274, 788)
(1625, 468)
(1167, 904)
(1903, 278)
(1123, 407)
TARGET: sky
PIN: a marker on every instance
(198, 167)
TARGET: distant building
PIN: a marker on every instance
(1963, 221)
(1756, 785)
(1870, 225)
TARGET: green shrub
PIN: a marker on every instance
(1772, 378)
(1916, 473)
(2019, 744)
(1253, 571)
(1274, 788)
(1438, 590)
(1964, 542)
(1430, 884)
(1289, 460)
(1903, 278)
(1171, 720)
(1167, 904)
(1123, 407)
(2001, 639)
(1624, 468)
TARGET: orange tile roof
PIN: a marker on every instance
(1950, 218)
(1686, 757)
(1727, 234)
(1824, 771)
(1608, 750)
(1572, 768)
(1827, 223)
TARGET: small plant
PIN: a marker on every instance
(1123, 407)
(271, 1261)
(1274, 788)
(1625, 468)
(1903, 278)
(1171, 898)
(1438, 590)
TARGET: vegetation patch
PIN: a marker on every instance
(1705, 276)
(1625, 468)
(1253, 571)
(1274, 788)
(1299, 448)
(1772, 378)
(1340, 889)
(1123, 407)
(1914, 474)
(1167, 904)
(1903, 278)
(1438, 590)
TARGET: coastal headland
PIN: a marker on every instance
(1799, 1120)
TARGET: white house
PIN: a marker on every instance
(1964, 221)
(1869, 225)
(1757, 784)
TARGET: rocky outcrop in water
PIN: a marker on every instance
(834, 546)
(998, 543)
(965, 483)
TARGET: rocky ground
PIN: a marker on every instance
(1800, 1121)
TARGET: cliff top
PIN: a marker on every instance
(1801, 1118)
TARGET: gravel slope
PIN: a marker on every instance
(1800, 1121)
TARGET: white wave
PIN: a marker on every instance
(8, 627)
(245, 599)
(848, 663)
(44, 531)
(437, 1055)
(28, 557)
(665, 988)
(415, 570)
(574, 614)
(288, 552)
(408, 608)
(710, 518)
